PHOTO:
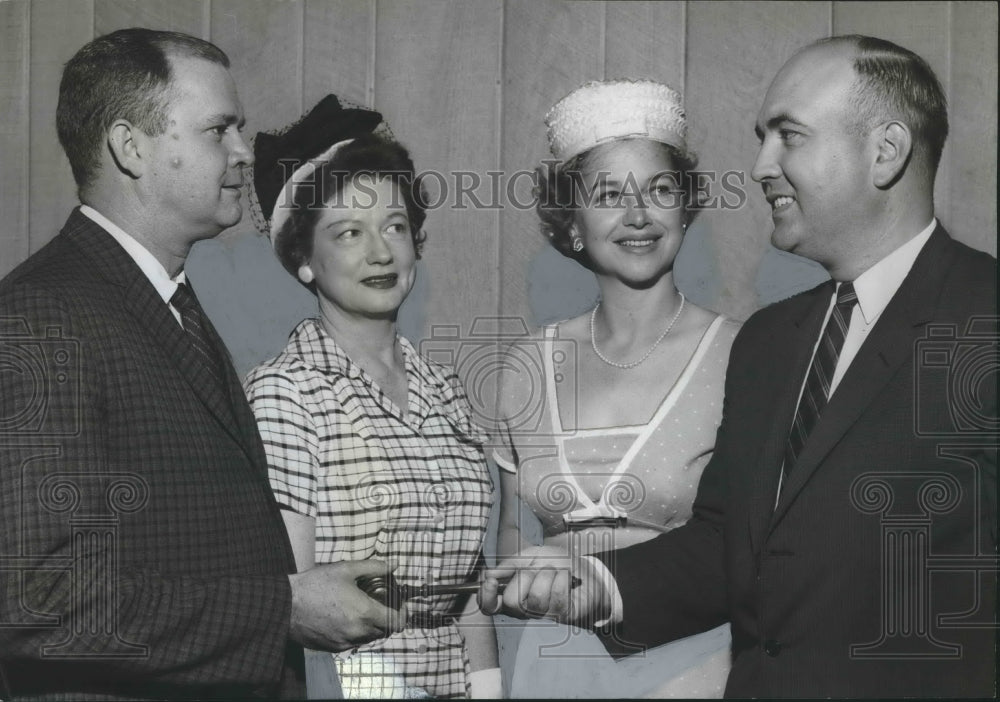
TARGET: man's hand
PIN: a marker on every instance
(539, 584)
(330, 612)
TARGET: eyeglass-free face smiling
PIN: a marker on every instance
(633, 226)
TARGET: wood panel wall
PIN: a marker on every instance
(465, 83)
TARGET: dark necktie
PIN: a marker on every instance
(817, 388)
(193, 320)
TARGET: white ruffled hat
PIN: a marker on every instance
(602, 111)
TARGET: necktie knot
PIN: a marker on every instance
(183, 299)
(846, 296)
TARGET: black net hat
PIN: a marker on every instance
(277, 156)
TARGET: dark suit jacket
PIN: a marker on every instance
(120, 456)
(898, 469)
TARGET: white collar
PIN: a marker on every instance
(151, 268)
(876, 286)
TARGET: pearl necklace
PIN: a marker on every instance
(633, 364)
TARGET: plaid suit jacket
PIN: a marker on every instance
(142, 553)
(874, 574)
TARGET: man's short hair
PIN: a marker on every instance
(122, 75)
(895, 83)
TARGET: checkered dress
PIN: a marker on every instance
(413, 490)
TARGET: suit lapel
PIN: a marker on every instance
(240, 410)
(888, 346)
(788, 358)
(141, 300)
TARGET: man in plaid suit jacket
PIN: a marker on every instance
(142, 553)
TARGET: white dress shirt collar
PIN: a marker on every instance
(151, 268)
(876, 286)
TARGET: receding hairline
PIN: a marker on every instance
(917, 98)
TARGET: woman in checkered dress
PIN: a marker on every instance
(371, 448)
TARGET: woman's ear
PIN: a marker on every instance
(576, 241)
(306, 274)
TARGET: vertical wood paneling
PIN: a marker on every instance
(14, 26)
(973, 113)
(466, 87)
(734, 50)
(186, 16)
(646, 40)
(339, 51)
(924, 30)
(264, 41)
(250, 298)
(58, 29)
(549, 49)
(436, 83)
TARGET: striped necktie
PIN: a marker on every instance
(817, 388)
(193, 321)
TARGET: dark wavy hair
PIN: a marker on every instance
(368, 155)
(559, 185)
(122, 75)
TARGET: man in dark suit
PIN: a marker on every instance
(846, 524)
(142, 553)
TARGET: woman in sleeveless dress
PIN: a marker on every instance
(625, 418)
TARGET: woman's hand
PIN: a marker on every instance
(540, 584)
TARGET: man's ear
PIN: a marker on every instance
(125, 145)
(895, 146)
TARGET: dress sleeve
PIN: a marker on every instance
(502, 447)
(504, 457)
(288, 431)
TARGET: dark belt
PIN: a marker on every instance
(429, 620)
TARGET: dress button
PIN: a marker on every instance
(772, 648)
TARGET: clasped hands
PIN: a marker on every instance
(330, 612)
(546, 582)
